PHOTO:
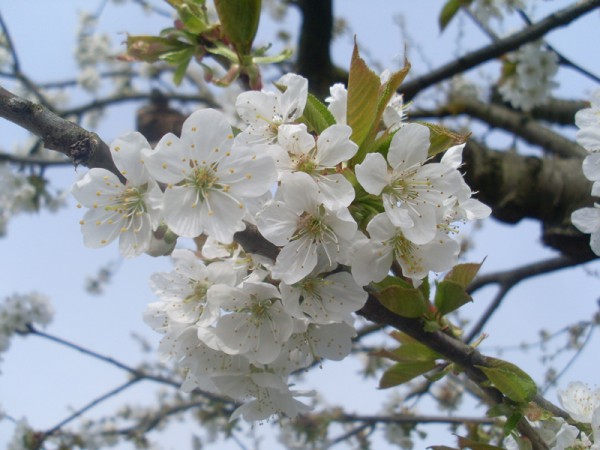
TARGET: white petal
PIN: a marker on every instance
(182, 212)
(409, 146)
(277, 222)
(335, 190)
(204, 131)
(587, 220)
(372, 173)
(293, 100)
(453, 156)
(295, 139)
(169, 162)
(591, 167)
(296, 260)
(126, 153)
(335, 146)
(222, 216)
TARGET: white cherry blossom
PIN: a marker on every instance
(579, 401)
(324, 299)
(254, 322)
(266, 111)
(269, 395)
(374, 258)
(207, 177)
(305, 228)
(298, 151)
(183, 291)
(129, 211)
(413, 192)
(587, 220)
(461, 206)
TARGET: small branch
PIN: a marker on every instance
(412, 419)
(522, 125)
(498, 48)
(86, 408)
(510, 278)
(123, 98)
(32, 160)
(137, 374)
(81, 146)
(561, 58)
(344, 437)
(454, 350)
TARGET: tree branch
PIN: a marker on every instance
(510, 278)
(518, 187)
(498, 48)
(464, 356)
(521, 124)
(81, 146)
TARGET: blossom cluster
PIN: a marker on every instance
(529, 76)
(583, 406)
(587, 220)
(485, 10)
(19, 311)
(241, 323)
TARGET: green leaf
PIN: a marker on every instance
(512, 422)
(405, 302)
(239, 22)
(463, 274)
(441, 139)
(192, 14)
(425, 288)
(449, 296)
(391, 281)
(316, 115)
(181, 59)
(474, 445)
(449, 10)
(510, 380)
(403, 372)
(411, 352)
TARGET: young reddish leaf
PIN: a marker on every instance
(239, 22)
(463, 274)
(441, 139)
(403, 372)
(449, 296)
(363, 93)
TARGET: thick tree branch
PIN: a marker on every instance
(555, 110)
(314, 59)
(498, 48)
(518, 187)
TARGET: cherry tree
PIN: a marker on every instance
(312, 213)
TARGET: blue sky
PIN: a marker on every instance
(44, 252)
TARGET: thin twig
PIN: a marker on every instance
(510, 278)
(89, 406)
(500, 47)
